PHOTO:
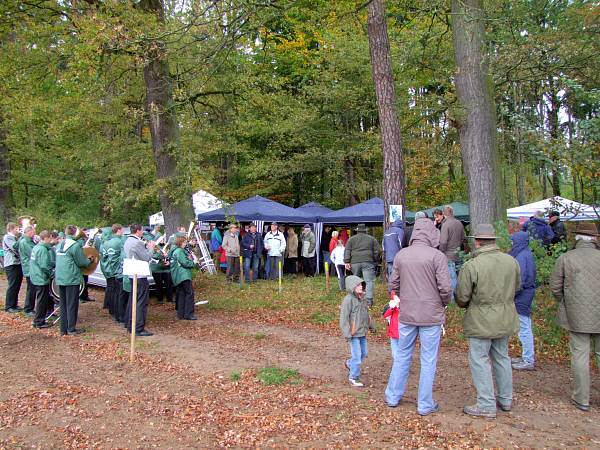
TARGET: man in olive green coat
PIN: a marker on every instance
(69, 262)
(41, 269)
(486, 288)
(26, 245)
(575, 283)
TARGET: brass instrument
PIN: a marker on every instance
(89, 251)
(26, 221)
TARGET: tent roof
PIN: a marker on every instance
(568, 209)
(314, 209)
(256, 208)
(461, 210)
(370, 211)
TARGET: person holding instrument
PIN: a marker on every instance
(110, 263)
(69, 262)
(26, 245)
(12, 267)
(181, 272)
(136, 248)
(41, 268)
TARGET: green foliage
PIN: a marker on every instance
(235, 376)
(319, 318)
(275, 376)
(545, 258)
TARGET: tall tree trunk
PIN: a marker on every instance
(389, 125)
(477, 123)
(164, 128)
(352, 197)
(553, 126)
(6, 201)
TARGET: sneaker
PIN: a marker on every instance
(580, 406)
(29, 314)
(475, 411)
(77, 331)
(145, 333)
(505, 408)
(516, 360)
(191, 318)
(12, 310)
(392, 405)
(435, 409)
(201, 302)
(523, 365)
(42, 325)
(355, 382)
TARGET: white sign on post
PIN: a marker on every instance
(137, 267)
(395, 212)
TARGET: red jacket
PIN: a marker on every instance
(392, 329)
(333, 244)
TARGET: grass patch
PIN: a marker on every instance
(320, 318)
(259, 336)
(275, 376)
(235, 376)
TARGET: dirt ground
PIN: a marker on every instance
(194, 385)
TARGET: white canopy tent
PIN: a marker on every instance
(568, 209)
(202, 202)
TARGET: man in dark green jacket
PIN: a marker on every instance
(26, 244)
(69, 262)
(110, 264)
(41, 269)
(486, 288)
(361, 256)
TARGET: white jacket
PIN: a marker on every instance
(337, 255)
(275, 243)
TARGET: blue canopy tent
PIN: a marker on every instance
(317, 211)
(370, 211)
(256, 209)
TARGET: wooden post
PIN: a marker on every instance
(280, 274)
(133, 318)
(242, 272)
(327, 276)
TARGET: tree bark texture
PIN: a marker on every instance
(389, 124)
(6, 202)
(477, 119)
(164, 128)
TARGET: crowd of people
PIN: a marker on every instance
(495, 288)
(424, 273)
(58, 257)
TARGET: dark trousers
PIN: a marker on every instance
(163, 285)
(42, 304)
(85, 295)
(185, 300)
(111, 295)
(308, 266)
(29, 296)
(69, 307)
(122, 298)
(14, 276)
(290, 265)
(233, 267)
(273, 262)
(143, 291)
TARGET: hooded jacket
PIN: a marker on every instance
(110, 256)
(362, 248)
(181, 266)
(69, 262)
(354, 314)
(41, 264)
(10, 245)
(392, 240)
(522, 253)
(539, 229)
(421, 279)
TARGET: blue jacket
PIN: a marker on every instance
(539, 229)
(521, 252)
(392, 240)
(215, 240)
(247, 240)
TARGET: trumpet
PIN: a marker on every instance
(26, 221)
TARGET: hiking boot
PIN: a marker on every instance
(355, 382)
(476, 411)
(505, 408)
(579, 406)
(523, 365)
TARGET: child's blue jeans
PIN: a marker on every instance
(358, 352)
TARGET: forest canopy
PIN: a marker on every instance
(276, 98)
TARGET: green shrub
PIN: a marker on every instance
(275, 376)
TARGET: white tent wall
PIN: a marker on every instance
(568, 209)
(202, 202)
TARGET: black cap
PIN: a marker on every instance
(274, 223)
(554, 214)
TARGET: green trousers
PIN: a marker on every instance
(580, 364)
